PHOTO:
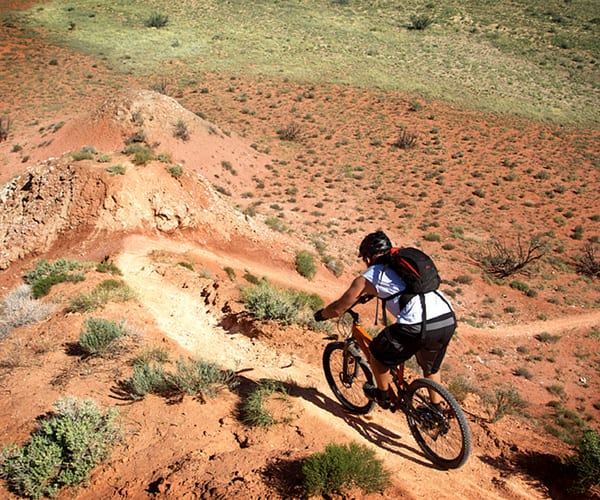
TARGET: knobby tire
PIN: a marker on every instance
(346, 382)
(444, 438)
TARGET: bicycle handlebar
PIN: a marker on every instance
(363, 299)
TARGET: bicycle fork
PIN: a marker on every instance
(350, 367)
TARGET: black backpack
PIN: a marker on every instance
(416, 269)
(419, 273)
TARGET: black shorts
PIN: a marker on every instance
(397, 343)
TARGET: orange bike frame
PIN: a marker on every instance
(364, 339)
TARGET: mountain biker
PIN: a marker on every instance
(399, 341)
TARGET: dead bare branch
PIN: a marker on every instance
(503, 260)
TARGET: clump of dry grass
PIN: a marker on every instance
(19, 308)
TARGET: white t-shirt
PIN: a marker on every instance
(387, 283)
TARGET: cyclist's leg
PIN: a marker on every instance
(392, 347)
(432, 353)
(381, 372)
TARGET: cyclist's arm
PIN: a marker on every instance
(360, 286)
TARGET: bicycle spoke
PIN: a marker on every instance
(442, 432)
(346, 376)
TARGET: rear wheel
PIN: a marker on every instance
(346, 376)
(442, 433)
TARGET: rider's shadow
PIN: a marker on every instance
(373, 432)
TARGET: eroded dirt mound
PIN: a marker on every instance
(66, 200)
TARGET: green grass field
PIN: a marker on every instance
(538, 58)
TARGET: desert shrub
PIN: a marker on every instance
(432, 237)
(181, 131)
(502, 402)
(342, 467)
(83, 154)
(523, 372)
(106, 291)
(503, 259)
(588, 263)
(98, 335)
(62, 451)
(19, 308)
(152, 354)
(336, 266)
(266, 302)
(116, 170)
(156, 20)
(148, 378)
(586, 463)
(47, 274)
(548, 338)
(44, 268)
(406, 140)
(420, 21)
(464, 279)
(230, 273)
(460, 387)
(141, 153)
(566, 424)
(253, 412)
(276, 224)
(305, 264)
(108, 267)
(194, 377)
(143, 157)
(200, 377)
(175, 170)
(291, 132)
(251, 278)
(42, 287)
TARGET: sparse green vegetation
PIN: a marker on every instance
(266, 302)
(156, 20)
(181, 131)
(175, 170)
(527, 65)
(116, 170)
(49, 273)
(460, 387)
(255, 411)
(106, 291)
(502, 402)
(83, 154)
(523, 372)
(548, 338)
(341, 467)
(192, 377)
(586, 462)
(62, 450)
(98, 336)
(305, 264)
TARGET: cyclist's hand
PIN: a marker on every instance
(319, 315)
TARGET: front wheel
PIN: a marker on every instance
(442, 432)
(346, 376)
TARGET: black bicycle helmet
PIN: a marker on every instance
(374, 244)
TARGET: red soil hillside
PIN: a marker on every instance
(243, 202)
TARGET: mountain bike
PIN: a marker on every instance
(441, 430)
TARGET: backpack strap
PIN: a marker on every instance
(405, 298)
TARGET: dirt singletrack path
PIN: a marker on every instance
(184, 318)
